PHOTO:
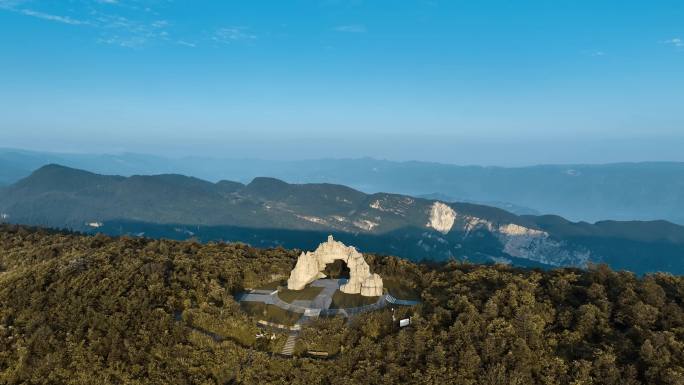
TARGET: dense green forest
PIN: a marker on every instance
(79, 309)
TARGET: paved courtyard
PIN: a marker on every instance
(319, 306)
(321, 303)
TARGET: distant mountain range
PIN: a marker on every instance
(625, 191)
(268, 212)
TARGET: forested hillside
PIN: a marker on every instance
(579, 192)
(78, 309)
(271, 212)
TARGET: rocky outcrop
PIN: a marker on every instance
(310, 266)
(526, 243)
(372, 286)
(441, 217)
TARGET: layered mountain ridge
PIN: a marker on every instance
(268, 211)
(579, 192)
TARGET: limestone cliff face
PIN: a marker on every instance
(527, 243)
(371, 286)
(517, 241)
(441, 217)
(310, 265)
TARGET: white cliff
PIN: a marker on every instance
(441, 217)
(523, 242)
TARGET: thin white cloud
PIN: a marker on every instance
(160, 24)
(123, 23)
(124, 41)
(111, 28)
(351, 28)
(186, 43)
(129, 33)
(676, 41)
(233, 34)
(9, 4)
(51, 17)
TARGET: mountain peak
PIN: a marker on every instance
(56, 177)
(228, 186)
(265, 187)
(264, 181)
(54, 170)
(54, 167)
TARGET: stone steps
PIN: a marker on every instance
(391, 299)
(288, 349)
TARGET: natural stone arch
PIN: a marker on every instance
(337, 270)
(310, 266)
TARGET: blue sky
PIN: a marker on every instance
(470, 82)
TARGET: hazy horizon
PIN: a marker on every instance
(252, 157)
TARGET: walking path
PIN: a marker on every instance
(319, 306)
(288, 349)
(312, 309)
(404, 302)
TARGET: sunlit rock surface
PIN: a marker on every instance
(527, 243)
(441, 217)
(310, 266)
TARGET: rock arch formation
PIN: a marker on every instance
(310, 266)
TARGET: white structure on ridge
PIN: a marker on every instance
(310, 266)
